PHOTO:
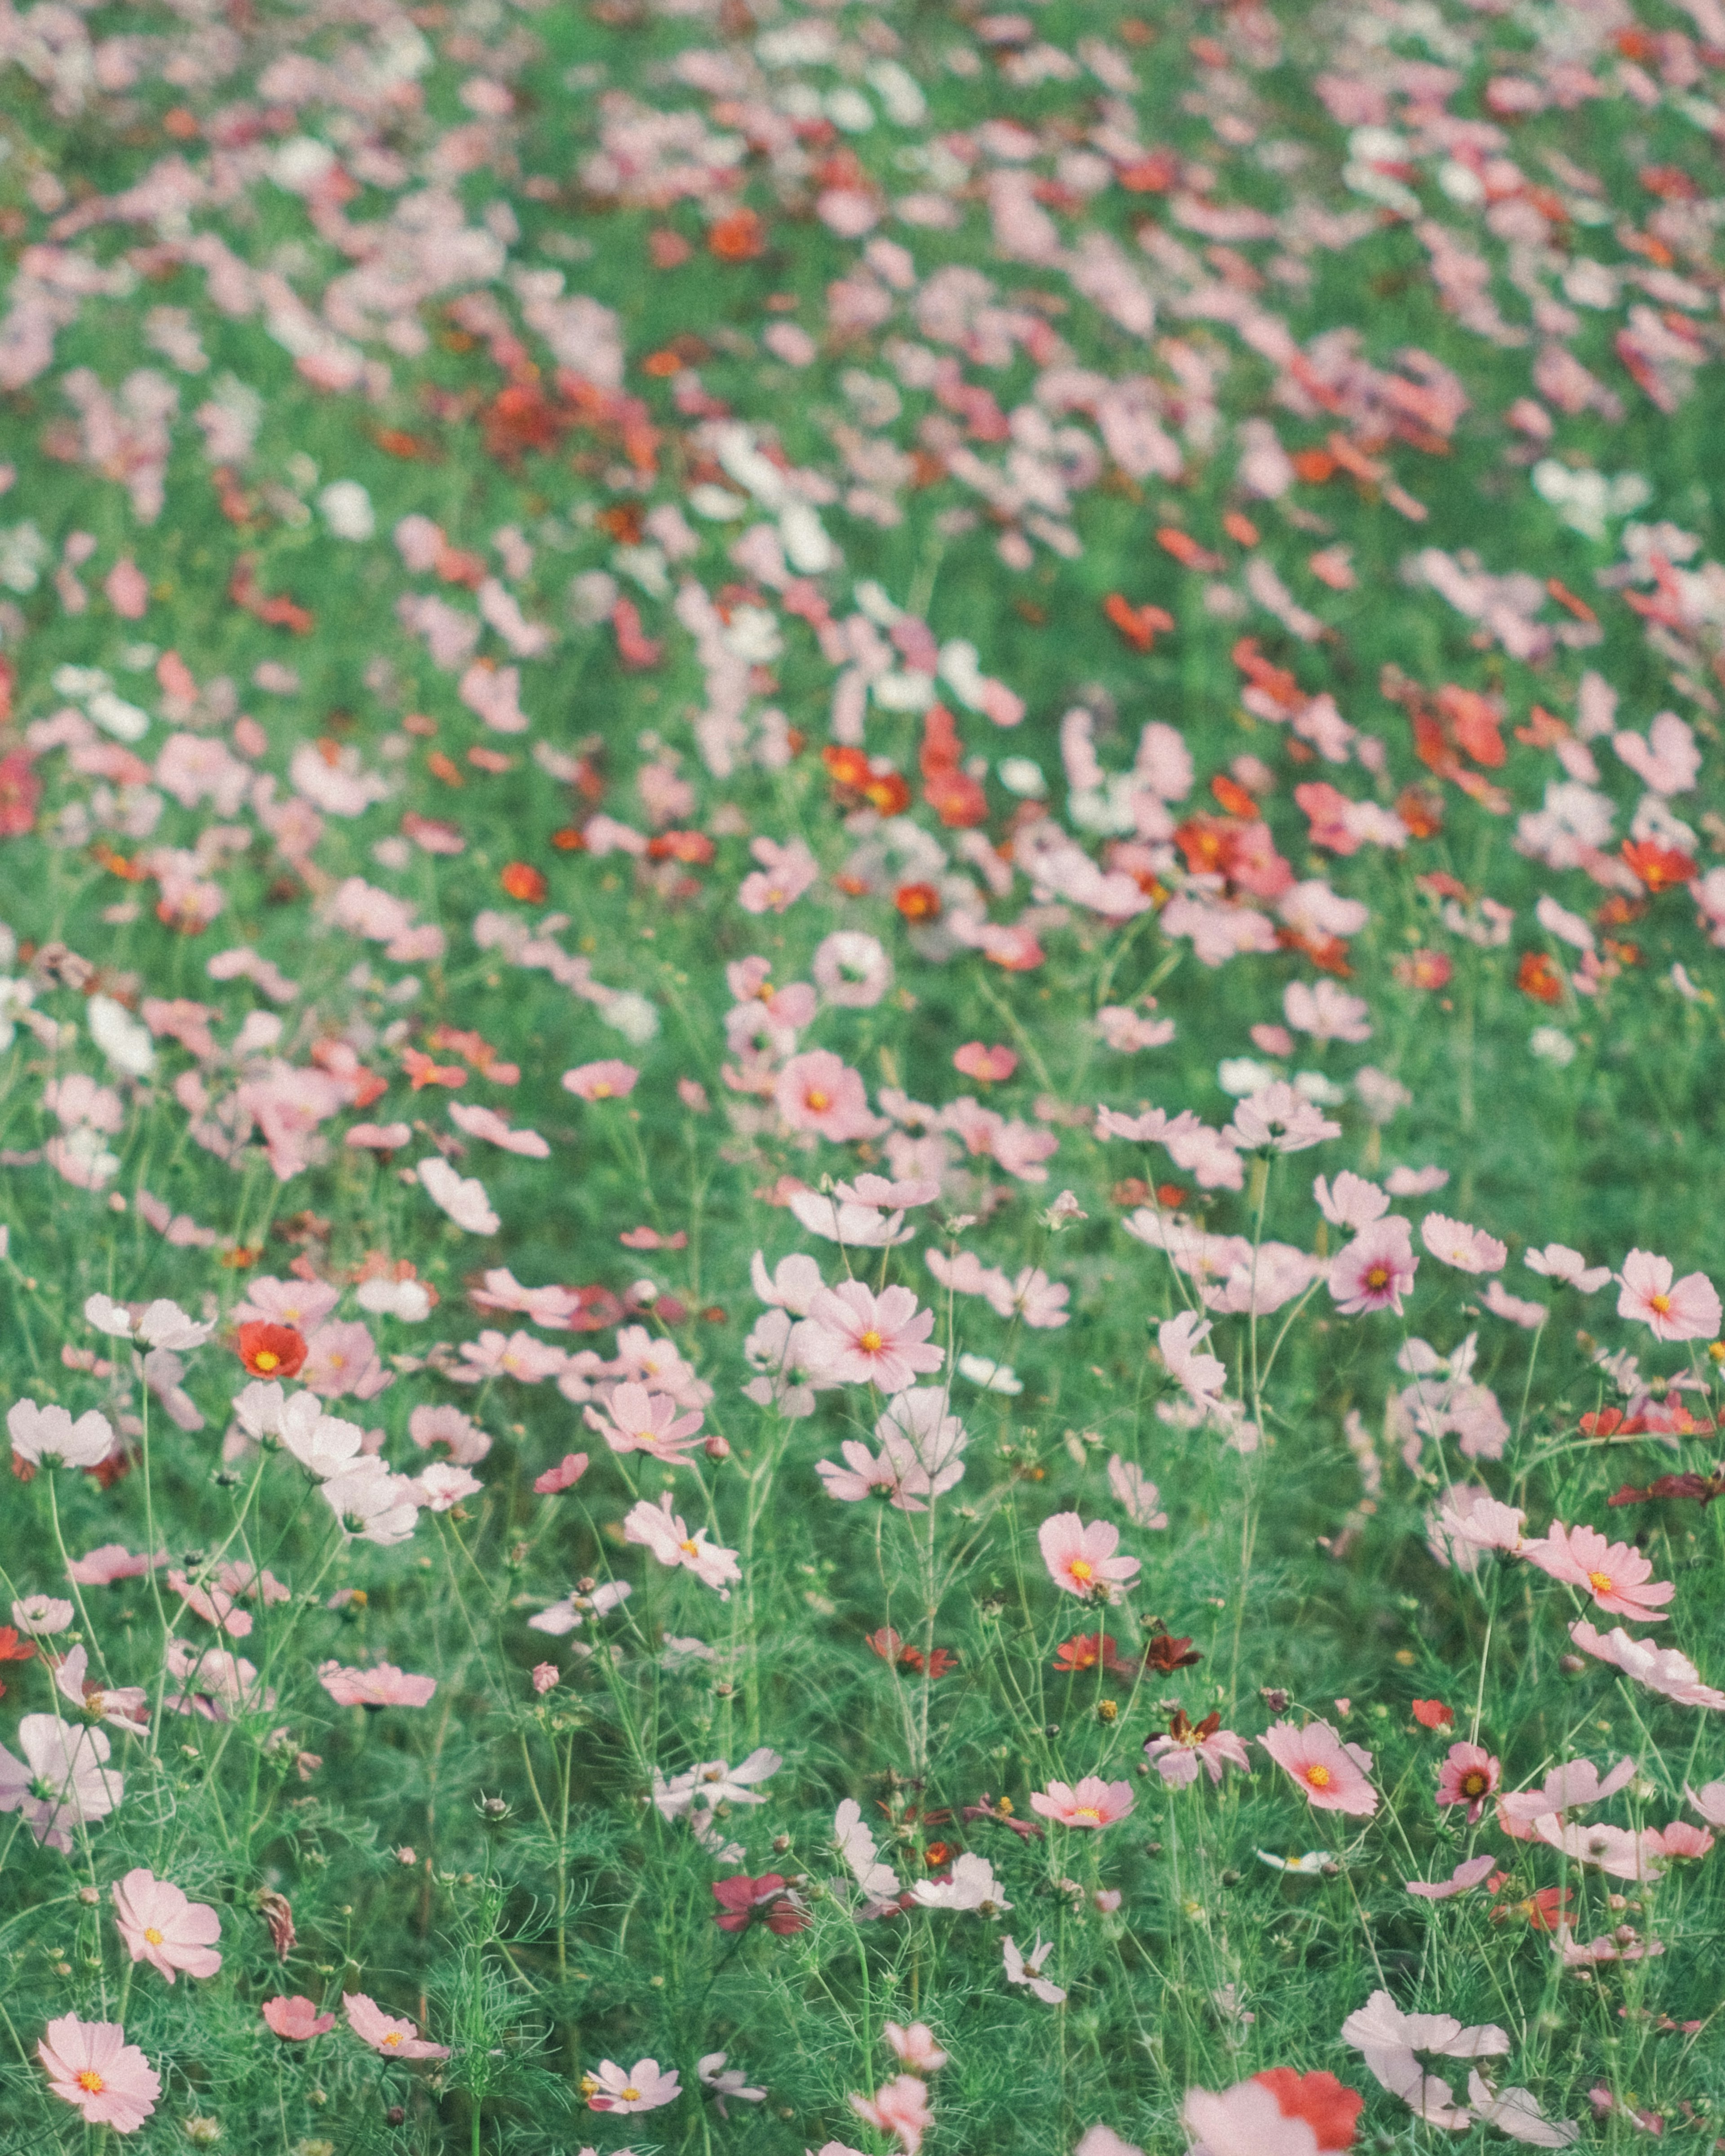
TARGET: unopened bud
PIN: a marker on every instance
(717, 1447)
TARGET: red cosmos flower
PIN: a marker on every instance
(20, 790)
(887, 1644)
(1327, 2106)
(1167, 1653)
(12, 1648)
(271, 1351)
(1544, 1911)
(1659, 867)
(739, 238)
(917, 902)
(1536, 977)
(1084, 1650)
(741, 1900)
(1423, 969)
(522, 881)
(1433, 1714)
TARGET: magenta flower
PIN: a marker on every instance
(1468, 1249)
(1376, 1270)
(820, 1092)
(162, 1927)
(386, 1686)
(1080, 1558)
(389, 2038)
(610, 1080)
(296, 2019)
(90, 2064)
(860, 1338)
(1094, 1803)
(643, 2087)
(1332, 1774)
(1469, 1776)
(1687, 1309)
(1612, 1572)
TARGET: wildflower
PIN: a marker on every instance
(987, 1066)
(742, 1899)
(1515, 2112)
(462, 1197)
(644, 2087)
(1094, 1803)
(1709, 1800)
(1687, 1309)
(568, 1472)
(1279, 1119)
(972, 1886)
(1469, 1776)
(41, 1615)
(546, 1677)
(1135, 1494)
(1557, 1261)
(385, 1685)
(1475, 1520)
(1573, 1787)
(901, 2108)
(1614, 1573)
(1278, 2113)
(1389, 2040)
(856, 1845)
(1462, 1879)
(915, 2046)
(1660, 1669)
(90, 2064)
(267, 1350)
(1084, 1650)
(389, 2038)
(1080, 1559)
(714, 1783)
(1376, 1270)
(1332, 1774)
(160, 1925)
(47, 1437)
(601, 1081)
(851, 970)
(636, 1421)
(660, 1530)
(820, 1092)
(1468, 1249)
(62, 1780)
(1201, 1377)
(1026, 1970)
(721, 2082)
(861, 1339)
(1186, 1745)
(1433, 1714)
(296, 2019)
(1351, 1201)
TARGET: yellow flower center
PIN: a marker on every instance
(1318, 1777)
(602, 1091)
(631, 2094)
(871, 1342)
(689, 1549)
(1081, 1571)
(153, 1937)
(91, 2082)
(1661, 1303)
(1475, 1783)
(1088, 1812)
(1600, 1581)
(266, 1359)
(819, 1101)
(1377, 1278)
(392, 2040)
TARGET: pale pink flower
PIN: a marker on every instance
(1104, 2141)
(389, 2038)
(546, 1677)
(610, 1080)
(568, 1472)
(1515, 2113)
(636, 1421)
(62, 1778)
(1613, 1850)
(41, 1615)
(1709, 1800)
(1026, 1970)
(915, 2046)
(1201, 1376)
(1280, 1118)
(1351, 1201)
(161, 1926)
(1468, 1249)
(1687, 1309)
(1332, 1774)
(785, 873)
(861, 1339)
(121, 1707)
(643, 2087)
(90, 2064)
(1557, 1261)
(971, 1886)
(1516, 1308)
(901, 2108)
(467, 1443)
(851, 970)
(1660, 1669)
(483, 1122)
(1179, 1752)
(1279, 2113)
(1376, 1270)
(385, 1685)
(1389, 2040)
(819, 1091)
(1135, 1494)
(112, 1561)
(1080, 1558)
(1032, 1296)
(1094, 1803)
(1326, 1011)
(1678, 1839)
(1475, 1520)
(462, 1197)
(442, 1486)
(1612, 1572)
(302, 1304)
(295, 2018)
(657, 1528)
(1466, 1875)
(48, 1436)
(1572, 1787)
(1469, 1776)
(863, 1474)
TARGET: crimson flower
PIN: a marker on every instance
(271, 1351)
(741, 1900)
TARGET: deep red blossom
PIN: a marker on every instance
(271, 1351)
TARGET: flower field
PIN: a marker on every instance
(862, 871)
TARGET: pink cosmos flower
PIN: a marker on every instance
(656, 1527)
(1351, 1201)
(1276, 2113)
(1557, 1261)
(48, 1437)
(1469, 1776)
(1376, 1270)
(1678, 1839)
(1660, 1669)
(901, 2108)
(915, 2046)
(1472, 1519)
(851, 970)
(644, 2087)
(1201, 1377)
(860, 1338)
(987, 1065)
(1326, 1012)
(1461, 1881)
(1187, 1745)
(1094, 1803)
(610, 1080)
(64, 1778)
(162, 1927)
(296, 2019)
(121, 1707)
(1613, 1850)
(1137, 1496)
(1389, 2040)
(819, 1091)
(385, 1685)
(785, 873)
(1612, 1572)
(1332, 1774)
(1568, 1788)
(1709, 1800)
(389, 2038)
(1279, 1118)
(637, 1420)
(1080, 1559)
(90, 2064)
(466, 1442)
(111, 1562)
(1687, 1309)
(568, 1472)
(1026, 1970)
(1468, 1250)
